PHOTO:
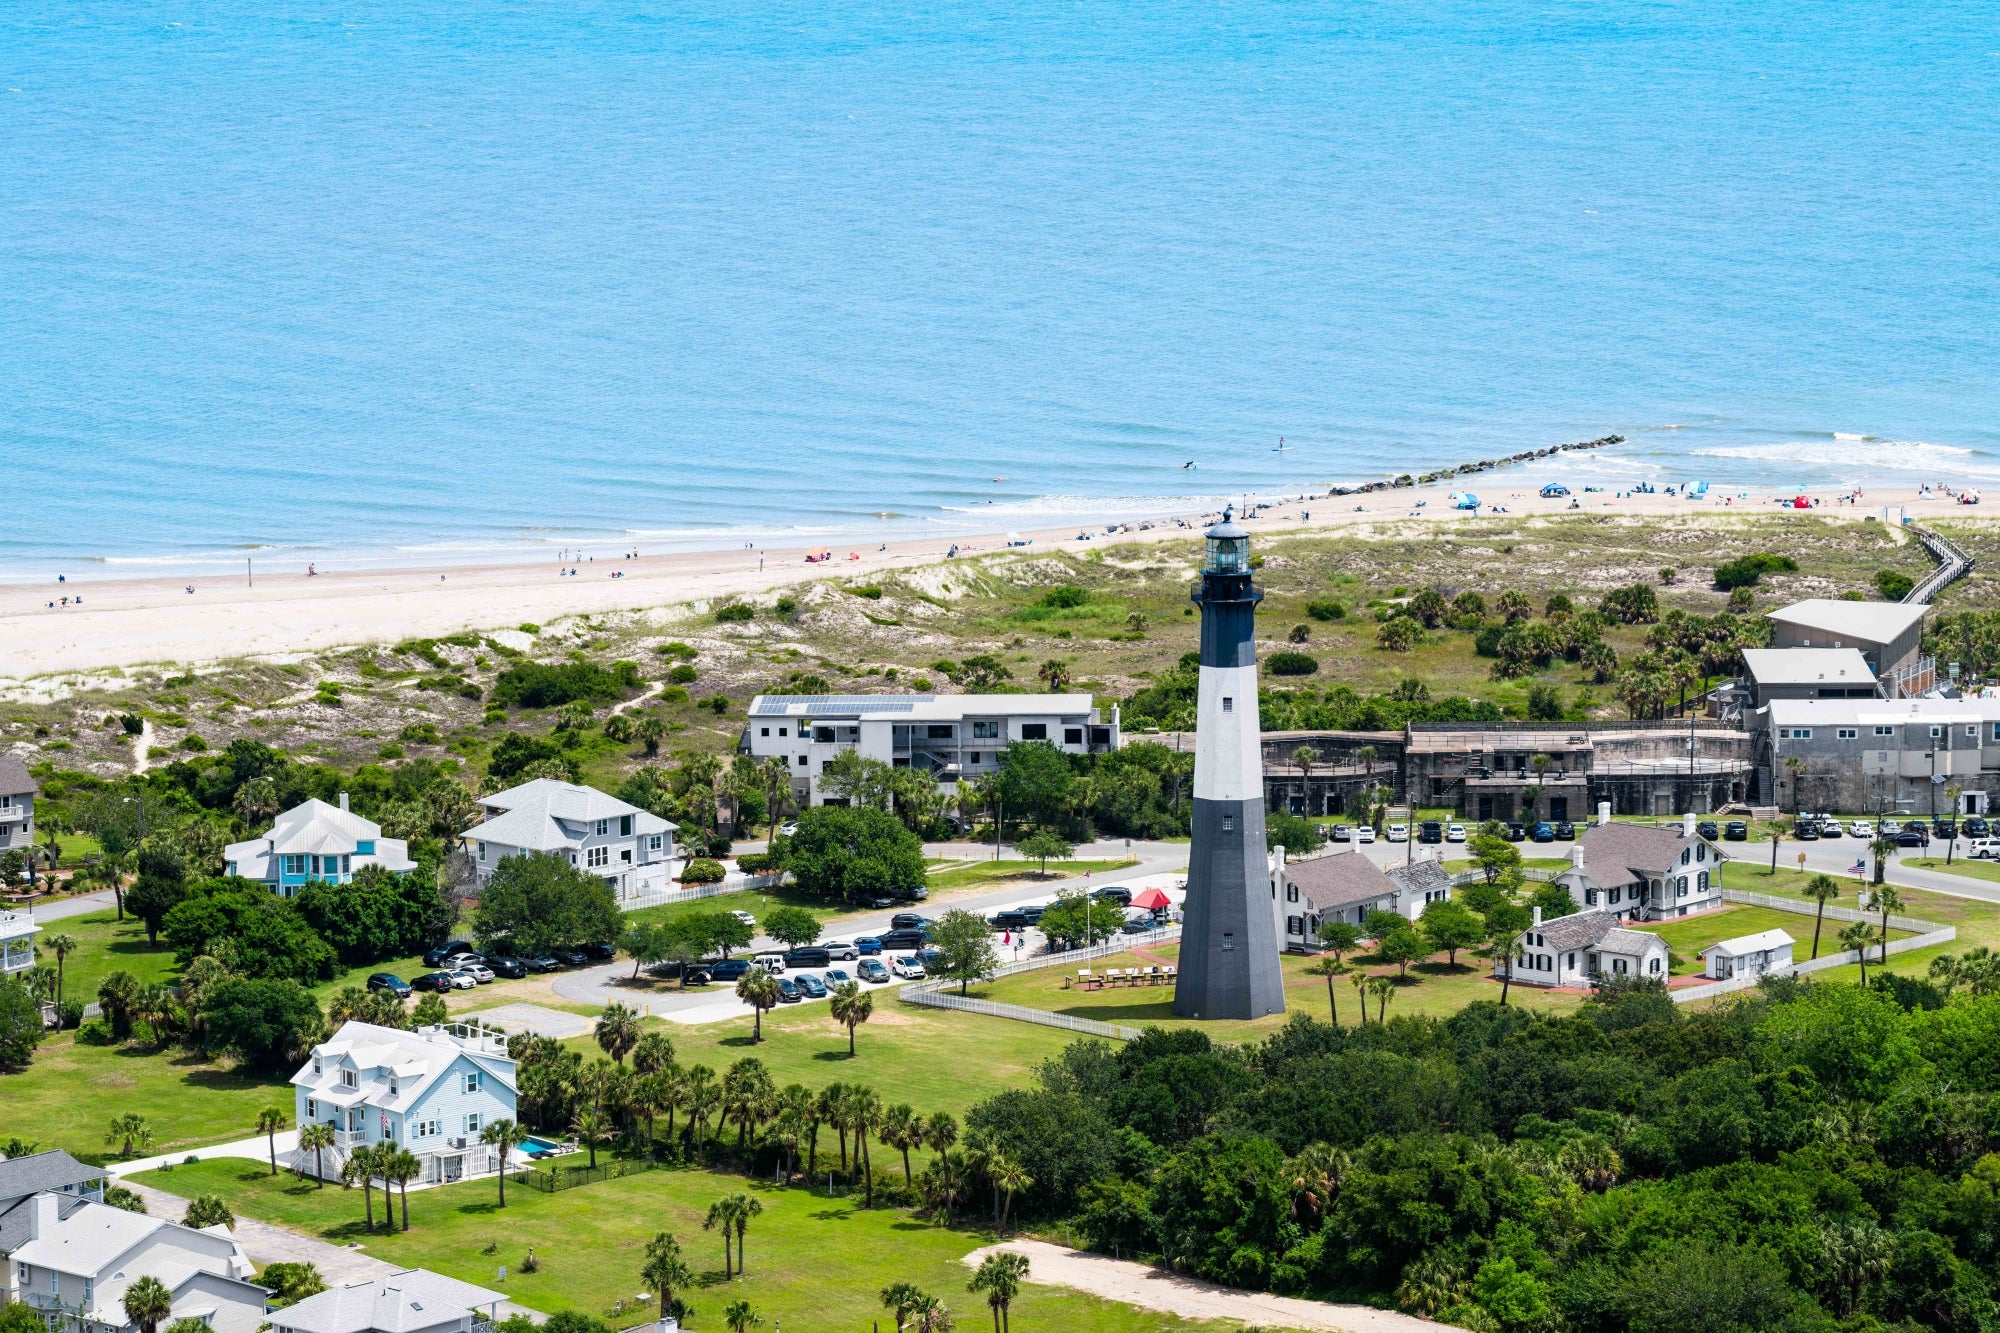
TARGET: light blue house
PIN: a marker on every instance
(314, 841)
(432, 1091)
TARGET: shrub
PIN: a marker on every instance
(420, 733)
(756, 863)
(736, 613)
(872, 591)
(530, 627)
(682, 673)
(1399, 634)
(1326, 610)
(96, 1032)
(1065, 598)
(542, 685)
(193, 742)
(1744, 571)
(70, 1014)
(1893, 586)
(673, 694)
(1291, 664)
(786, 606)
(703, 871)
(676, 649)
(716, 703)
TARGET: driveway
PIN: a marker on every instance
(1172, 1293)
(44, 913)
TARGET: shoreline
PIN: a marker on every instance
(126, 623)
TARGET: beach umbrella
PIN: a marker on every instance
(1150, 899)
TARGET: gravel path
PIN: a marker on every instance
(1171, 1293)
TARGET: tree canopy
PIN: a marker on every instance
(538, 900)
(846, 855)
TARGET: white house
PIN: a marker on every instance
(1578, 949)
(1750, 955)
(17, 803)
(415, 1300)
(17, 942)
(1347, 886)
(432, 1091)
(1644, 872)
(950, 736)
(53, 1172)
(625, 845)
(314, 841)
(80, 1257)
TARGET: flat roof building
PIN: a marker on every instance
(1888, 634)
(1807, 673)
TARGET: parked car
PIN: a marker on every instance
(698, 976)
(1364, 833)
(729, 969)
(871, 969)
(1454, 833)
(808, 955)
(771, 961)
(1736, 831)
(908, 921)
(602, 953)
(390, 982)
(1805, 831)
(908, 967)
(814, 988)
(1983, 849)
(788, 991)
(462, 980)
(433, 981)
(1565, 831)
(1399, 833)
(541, 962)
(1861, 828)
(474, 968)
(1122, 897)
(1975, 827)
(1516, 831)
(1012, 918)
(840, 949)
(866, 945)
(836, 976)
(571, 957)
(1944, 828)
(904, 939)
(1429, 831)
(744, 917)
(1829, 828)
(1340, 833)
(505, 966)
(1033, 912)
(1913, 836)
(1139, 926)
(1707, 829)
(443, 953)
(1544, 833)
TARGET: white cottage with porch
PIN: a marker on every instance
(432, 1091)
(1750, 955)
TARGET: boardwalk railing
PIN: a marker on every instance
(1929, 933)
(1953, 564)
(932, 994)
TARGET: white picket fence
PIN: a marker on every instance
(1928, 933)
(735, 882)
(932, 994)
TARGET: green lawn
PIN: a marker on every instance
(1688, 937)
(67, 1096)
(814, 1262)
(104, 945)
(986, 874)
(1988, 870)
(1977, 921)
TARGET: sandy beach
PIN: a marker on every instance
(134, 622)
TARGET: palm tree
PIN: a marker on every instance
(758, 989)
(747, 1207)
(62, 946)
(740, 1318)
(362, 1165)
(1010, 1178)
(1303, 758)
(399, 1167)
(617, 1031)
(651, 729)
(1887, 900)
(1329, 967)
(1384, 987)
(903, 1130)
(1883, 848)
(1360, 981)
(255, 800)
(269, 1121)
(665, 1270)
(999, 1276)
(722, 1217)
(703, 1098)
(851, 1007)
(1820, 888)
(1054, 674)
(1777, 835)
(653, 1053)
(864, 1117)
(317, 1137)
(777, 780)
(591, 1128)
(747, 1098)
(1856, 937)
(148, 1303)
(1795, 768)
(505, 1135)
(130, 1131)
(824, 1112)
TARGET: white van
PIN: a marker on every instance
(1984, 849)
(774, 963)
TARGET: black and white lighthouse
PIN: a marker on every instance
(1229, 939)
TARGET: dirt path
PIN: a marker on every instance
(1171, 1293)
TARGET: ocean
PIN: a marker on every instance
(369, 282)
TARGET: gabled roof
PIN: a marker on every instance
(316, 827)
(1595, 929)
(51, 1170)
(1616, 853)
(418, 1060)
(413, 1299)
(14, 777)
(1762, 941)
(1427, 876)
(14, 1224)
(1807, 666)
(88, 1238)
(531, 811)
(1869, 622)
(1340, 880)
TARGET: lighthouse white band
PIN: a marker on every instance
(1228, 762)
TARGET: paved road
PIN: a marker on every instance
(1156, 1289)
(62, 907)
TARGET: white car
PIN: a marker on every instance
(479, 972)
(1983, 849)
(1364, 833)
(745, 918)
(774, 963)
(1454, 833)
(907, 967)
(463, 980)
(1399, 833)
(1861, 828)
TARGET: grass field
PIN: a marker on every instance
(1986, 870)
(814, 1262)
(993, 874)
(104, 945)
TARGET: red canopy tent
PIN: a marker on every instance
(1152, 900)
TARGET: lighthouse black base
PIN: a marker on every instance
(1229, 937)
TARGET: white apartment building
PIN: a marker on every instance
(953, 737)
(628, 847)
(1897, 757)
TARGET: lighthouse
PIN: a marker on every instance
(1229, 937)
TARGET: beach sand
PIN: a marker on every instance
(134, 622)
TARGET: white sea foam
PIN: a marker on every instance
(1857, 455)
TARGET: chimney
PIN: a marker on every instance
(343, 803)
(1603, 813)
(1687, 824)
(1576, 858)
(42, 1214)
(1538, 917)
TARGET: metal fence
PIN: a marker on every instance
(569, 1177)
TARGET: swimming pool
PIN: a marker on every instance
(536, 1147)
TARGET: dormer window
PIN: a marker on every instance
(350, 1078)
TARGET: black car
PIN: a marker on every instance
(1033, 914)
(602, 953)
(1912, 836)
(1121, 897)
(908, 921)
(903, 941)
(540, 962)
(788, 991)
(729, 969)
(1707, 829)
(444, 953)
(1565, 831)
(1011, 919)
(1944, 828)
(1430, 831)
(1805, 832)
(809, 955)
(1139, 927)
(572, 957)
(1516, 831)
(1736, 831)
(390, 982)
(1544, 833)
(437, 981)
(1976, 827)
(503, 966)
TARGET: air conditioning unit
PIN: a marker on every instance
(458, 1143)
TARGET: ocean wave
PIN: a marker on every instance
(1858, 453)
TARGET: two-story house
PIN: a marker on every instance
(80, 1257)
(415, 1300)
(432, 1091)
(1347, 886)
(952, 737)
(17, 804)
(53, 1172)
(628, 847)
(1644, 872)
(314, 841)
(17, 942)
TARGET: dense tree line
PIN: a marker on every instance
(1818, 1156)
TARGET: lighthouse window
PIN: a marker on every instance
(1228, 704)
(1229, 823)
